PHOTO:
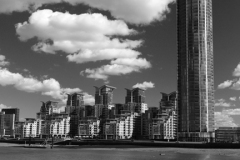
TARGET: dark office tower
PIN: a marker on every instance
(195, 69)
(136, 95)
(75, 101)
(12, 111)
(47, 110)
(89, 111)
(135, 100)
(104, 95)
(168, 102)
(168, 113)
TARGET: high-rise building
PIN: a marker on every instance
(168, 113)
(103, 101)
(12, 111)
(195, 69)
(47, 110)
(2, 123)
(75, 102)
(135, 100)
(104, 95)
(9, 120)
(135, 95)
(75, 99)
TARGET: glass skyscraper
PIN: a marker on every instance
(195, 69)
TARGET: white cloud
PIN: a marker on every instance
(232, 84)
(49, 87)
(81, 32)
(236, 84)
(132, 11)
(87, 38)
(225, 84)
(145, 85)
(236, 72)
(105, 54)
(233, 98)
(88, 99)
(231, 111)
(222, 103)
(118, 67)
(224, 120)
(3, 106)
(3, 62)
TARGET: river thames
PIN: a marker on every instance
(18, 152)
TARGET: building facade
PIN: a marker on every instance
(135, 100)
(75, 101)
(12, 111)
(104, 95)
(89, 128)
(168, 112)
(2, 124)
(227, 134)
(47, 110)
(195, 69)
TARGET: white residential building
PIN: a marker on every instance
(119, 128)
(89, 128)
(60, 127)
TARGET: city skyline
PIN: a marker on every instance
(63, 70)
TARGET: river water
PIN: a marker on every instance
(105, 153)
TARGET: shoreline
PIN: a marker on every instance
(135, 144)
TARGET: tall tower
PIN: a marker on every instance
(135, 100)
(75, 103)
(195, 69)
(75, 99)
(135, 95)
(104, 95)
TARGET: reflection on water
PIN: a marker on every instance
(19, 153)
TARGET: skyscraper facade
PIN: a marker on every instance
(75, 101)
(195, 69)
(12, 111)
(136, 95)
(135, 100)
(168, 112)
(104, 95)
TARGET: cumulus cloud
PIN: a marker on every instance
(3, 106)
(85, 39)
(224, 120)
(145, 85)
(222, 103)
(88, 99)
(117, 67)
(132, 10)
(231, 111)
(225, 84)
(236, 84)
(105, 54)
(81, 32)
(3, 62)
(232, 84)
(236, 72)
(233, 98)
(128, 10)
(49, 87)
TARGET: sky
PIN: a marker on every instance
(52, 47)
